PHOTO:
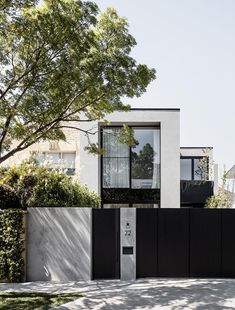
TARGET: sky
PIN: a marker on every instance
(191, 44)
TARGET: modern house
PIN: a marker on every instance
(155, 172)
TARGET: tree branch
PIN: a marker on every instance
(79, 129)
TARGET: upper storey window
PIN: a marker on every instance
(194, 168)
(131, 167)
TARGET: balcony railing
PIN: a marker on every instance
(195, 192)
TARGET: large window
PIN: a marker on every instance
(131, 167)
(116, 160)
(194, 168)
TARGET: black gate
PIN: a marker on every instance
(185, 243)
(169, 243)
(173, 243)
(146, 243)
(106, 243)
(205, 243)
(228, 243)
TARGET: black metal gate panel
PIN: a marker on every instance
(228, 243)
(106, 243)
(146, 243)
(205, 243)
(173, 243)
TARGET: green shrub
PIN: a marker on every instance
(37, 186)
(219, 201)
(8, 198)
(11, 245)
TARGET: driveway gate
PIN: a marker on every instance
(168, 243)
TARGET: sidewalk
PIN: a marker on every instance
(144, 294)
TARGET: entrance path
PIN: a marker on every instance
(144, 294)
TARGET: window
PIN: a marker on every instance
(186, 169)
(145, 159)
(131, 167)
(194, 168)
(58, 160)
(116, 160)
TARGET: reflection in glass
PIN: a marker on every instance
(186, 169)
(113, 147)
(145, 159)
(115, 172)
(200, 169)
(116, 160)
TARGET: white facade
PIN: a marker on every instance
(169, 121)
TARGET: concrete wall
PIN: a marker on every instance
(128, 239)
(59, 244)
(169, 121)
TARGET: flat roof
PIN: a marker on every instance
(155, 109)
(196, 147)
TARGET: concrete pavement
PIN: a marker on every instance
(143, 294)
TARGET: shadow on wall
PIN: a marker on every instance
(59, 244)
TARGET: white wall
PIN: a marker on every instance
(169, 121)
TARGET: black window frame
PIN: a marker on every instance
(127, 190)
(192, 166)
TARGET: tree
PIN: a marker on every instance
(142, 163)
(61, 61)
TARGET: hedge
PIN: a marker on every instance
(11, 245)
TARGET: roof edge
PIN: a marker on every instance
(196, 147)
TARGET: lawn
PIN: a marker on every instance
(33, 301)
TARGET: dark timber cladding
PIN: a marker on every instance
(205, 243)
(169, 243)
(106, 243)
(228, 243)
(146, 243)
(173, 243)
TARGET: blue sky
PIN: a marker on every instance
(191, 43)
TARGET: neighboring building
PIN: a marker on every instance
(230, 176)
(156, 172)
(56, 153)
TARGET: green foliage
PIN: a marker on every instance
(11, 245)
(217, 201)
(127, 135)
(8, 198)
(37, 186)
(220, 200)
(62, 61)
